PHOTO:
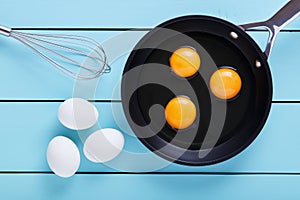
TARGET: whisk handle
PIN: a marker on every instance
(5, 31)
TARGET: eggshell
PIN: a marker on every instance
(77, 114)
(103, 145)
(63, 156)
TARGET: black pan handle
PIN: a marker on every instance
(283, 17)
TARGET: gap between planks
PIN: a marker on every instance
(96, 100)
(164, 173)
(119, 29)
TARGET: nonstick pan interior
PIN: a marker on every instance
(245, 114)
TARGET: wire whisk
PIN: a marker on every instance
(77, 56)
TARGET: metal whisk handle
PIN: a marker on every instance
(5, 31)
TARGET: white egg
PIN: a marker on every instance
(103, 145)
(63, 156)
(77, 114)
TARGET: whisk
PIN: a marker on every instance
(77, 56)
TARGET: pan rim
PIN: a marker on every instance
(265, 65)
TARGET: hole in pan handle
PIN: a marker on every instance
(283, 17)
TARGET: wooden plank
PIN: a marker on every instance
(34, 186)
(27, 129)
(131, 13)
(30, 77)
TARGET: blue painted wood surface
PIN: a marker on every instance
(37, 75)
(149, 187)
(130, 13)
(26, 128)
(23, 147)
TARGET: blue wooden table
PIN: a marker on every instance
(31, 91)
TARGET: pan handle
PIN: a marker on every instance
(283, 17)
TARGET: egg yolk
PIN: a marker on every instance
(180, 112)
(185, 61)
(225, 83)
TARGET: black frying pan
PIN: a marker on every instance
(222, 128)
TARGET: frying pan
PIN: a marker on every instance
(211, 139)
